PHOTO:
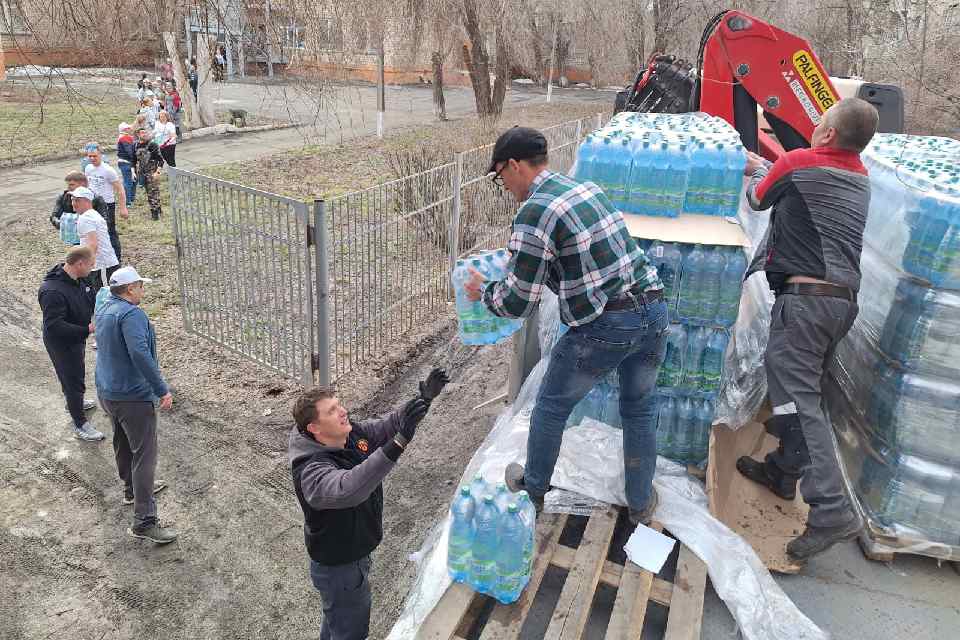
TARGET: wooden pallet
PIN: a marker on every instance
(459, 613)
(880, 547)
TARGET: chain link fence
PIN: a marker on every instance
(314, 291)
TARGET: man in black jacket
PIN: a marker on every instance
(67, 303)
(64, 203)
(338, 467)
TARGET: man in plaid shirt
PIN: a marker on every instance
(568, 236)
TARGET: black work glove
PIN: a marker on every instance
(410, 416)
(434, 384)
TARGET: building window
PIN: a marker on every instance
(12, 21)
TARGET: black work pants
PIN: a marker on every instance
(69, 364)
(111, 217)
(169, 154)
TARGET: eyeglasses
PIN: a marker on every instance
(496, 178)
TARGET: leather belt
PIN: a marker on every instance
(630, 299)
(817, 289)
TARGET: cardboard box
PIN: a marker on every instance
(689, 228)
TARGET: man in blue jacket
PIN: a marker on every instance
(128, 384)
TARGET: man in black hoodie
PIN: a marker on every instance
(338, 467)
(67, 303)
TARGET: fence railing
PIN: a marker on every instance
(312, 292)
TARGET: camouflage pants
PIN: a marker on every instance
(152, 184)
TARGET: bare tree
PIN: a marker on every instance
(489, 100)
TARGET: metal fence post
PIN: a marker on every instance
(173, 185)
(322, 363)
(599, 120)
(454, 242)
(579, 130)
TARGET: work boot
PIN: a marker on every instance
(645, 516)
(158, 486)
(87, 432)
(153, 533)
(785, 488)
(513, 477)
(816, 540)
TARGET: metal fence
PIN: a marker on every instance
(315, 293)
(245, 263)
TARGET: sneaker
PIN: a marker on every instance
(751, 469)
(645, 516)
(88, 405)
(513, 477)
(153, 533)
(158, 486)
(816, 540)
(87, 432)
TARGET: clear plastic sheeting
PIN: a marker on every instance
(894, 397)
(591, 464)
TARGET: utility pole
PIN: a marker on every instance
(381, 89)
(268, 32)
(553, 55)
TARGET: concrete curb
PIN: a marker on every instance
(203, 132)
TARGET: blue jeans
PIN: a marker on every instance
(129, 184)
(633, 343)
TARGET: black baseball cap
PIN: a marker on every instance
(518, 143)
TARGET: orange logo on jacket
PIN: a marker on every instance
(363, 445)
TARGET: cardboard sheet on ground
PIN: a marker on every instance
(648, 548)
(762, 519)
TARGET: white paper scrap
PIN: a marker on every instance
(648, 548)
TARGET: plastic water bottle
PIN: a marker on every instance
(679, 176)
(713, 267)
(691, 285)
(716, 167)
(704, 418)
(686, 429)
(460, 543)
(693, 361)
(620, 173)
(695, 201)
(586, 155)
(604, 165)
(101, 300)
(731, 281)
(659, 180)
(465, 308)
(736, 159)
(502, 498)
(483, 561)
(712, 362)
(513, 571)
(639, 189)
(666, 425)
(667, 259)
(479, 488)
(671, 371)
(529, 514)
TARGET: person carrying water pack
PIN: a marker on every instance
(811, 256)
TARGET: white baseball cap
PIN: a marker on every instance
(127, 275)
(83, 192)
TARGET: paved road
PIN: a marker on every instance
(349, 111)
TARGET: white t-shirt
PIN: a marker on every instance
(100, 180)
(93, 221)
(166, 134)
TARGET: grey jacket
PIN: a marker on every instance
(324, 485)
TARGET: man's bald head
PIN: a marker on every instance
(854, 122)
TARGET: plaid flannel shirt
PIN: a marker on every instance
(569, 237)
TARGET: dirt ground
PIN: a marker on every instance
(68, 570)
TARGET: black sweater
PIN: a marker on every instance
(67, 306)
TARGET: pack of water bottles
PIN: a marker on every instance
(898, 374)
(477, 325)
(659, 164)
(490, 545)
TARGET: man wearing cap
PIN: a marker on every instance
(567, 236)
(67, 304)
(105, 182)
(64, 203)
(129, 384)
(93, 232)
